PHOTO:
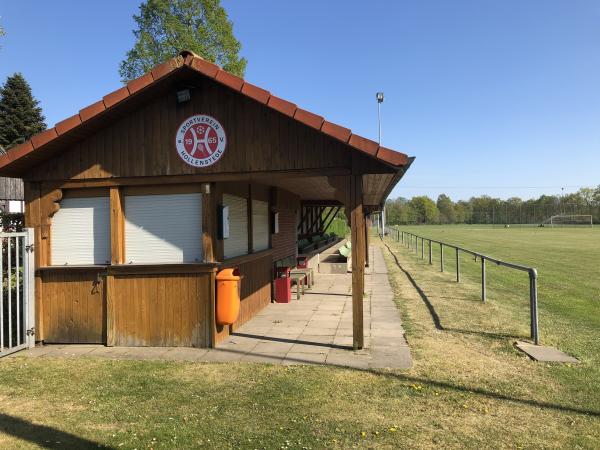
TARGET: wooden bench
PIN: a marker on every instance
(308, 273)
(298, 278)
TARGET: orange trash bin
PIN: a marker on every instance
(228, 296)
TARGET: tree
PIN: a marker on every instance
(425, 209)
(446, 207)
(587, 195)
(165, 27)
(462, 212)
(20, 114)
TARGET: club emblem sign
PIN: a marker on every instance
(200, 140)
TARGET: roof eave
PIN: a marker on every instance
(189, 61)
(396, 179)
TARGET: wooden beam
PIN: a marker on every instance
(211, 310)
(325, 221)
(317, 212)
(367, 231)
(32, 193)
(110, 310)
(326, 224)
(357, 226)
(259, 177)
(209, 225)
(117, 227)
(321, 203)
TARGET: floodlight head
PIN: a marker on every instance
(183, 95)
(379, 97)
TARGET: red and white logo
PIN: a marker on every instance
(200, 140)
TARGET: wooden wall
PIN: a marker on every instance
(256, 271)
(141, 143)
(11, 188)
(160, 310)
(153, 305)
(74, 307)
(284, 243)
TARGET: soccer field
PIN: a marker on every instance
(454, 336)
(568, 264)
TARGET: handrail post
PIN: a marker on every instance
(483, 293)
(417, 246)
(441, 257)
(430, 253)
(457, 267)
(533, 305)
(422, 248)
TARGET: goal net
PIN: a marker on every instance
(569, 220)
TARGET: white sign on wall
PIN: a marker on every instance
(200, 140)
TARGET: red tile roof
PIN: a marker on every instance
(213, 71)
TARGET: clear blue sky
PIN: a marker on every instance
(492, 97)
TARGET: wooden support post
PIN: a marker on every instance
(33, 220)
(208, 225)
(117, 227)
(367, 227)
(211, 309)
(109, 291)
(357, 225)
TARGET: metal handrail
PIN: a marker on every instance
(407, 239)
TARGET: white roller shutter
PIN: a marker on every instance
(260, 225)
(80, 233)
(163, 228)
(237, 242)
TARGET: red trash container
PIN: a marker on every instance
(283, 285)
(302, 262)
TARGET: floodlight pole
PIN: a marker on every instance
(379, 97)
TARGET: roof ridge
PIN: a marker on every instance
(213, 71)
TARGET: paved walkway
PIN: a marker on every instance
(317, 329)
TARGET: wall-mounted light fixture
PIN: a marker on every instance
(183, 95)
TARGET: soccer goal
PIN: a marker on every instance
(569, 220)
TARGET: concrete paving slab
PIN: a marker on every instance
(310, 348)
(185, 354)
(269, 358)
(294, 358)
(272, 347)
(543, 353)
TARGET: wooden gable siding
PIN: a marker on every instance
(11, 188)
(142, 143)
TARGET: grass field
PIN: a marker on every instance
(568, 265)
(469, 387)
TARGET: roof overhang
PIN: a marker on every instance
(44, 145)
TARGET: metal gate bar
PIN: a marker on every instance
(16, 260)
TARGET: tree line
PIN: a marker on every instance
(489, 210)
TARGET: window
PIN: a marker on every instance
(237, 242)
(260, 225)
(81, 232)
(163, 228)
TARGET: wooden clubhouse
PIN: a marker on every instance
(141, 198)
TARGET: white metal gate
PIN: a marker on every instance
(17, 309)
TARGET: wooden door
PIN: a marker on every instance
(73, 306)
